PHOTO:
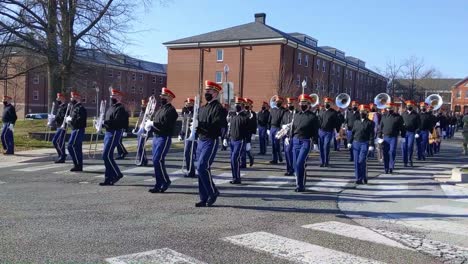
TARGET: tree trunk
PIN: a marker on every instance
(54, 81)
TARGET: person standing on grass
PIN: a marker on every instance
(8, 119)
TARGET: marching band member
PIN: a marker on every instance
(77, 121)
(304, 130)
(211, 118)
(115, 121)
(238, 131)
(121, 150)
(8, 119)
(362, 142)
(276, 116)
(162, 126)
(59, 137)
(288, 118)
(328, 123)
(141, 151)
(263, 117)
(351, 116)
(252, 130)
(411, 121)
(390, 127)
(427, 123)
(337, 133)
(189, 150)
(187, 113)
(226, 108)
(375, 117)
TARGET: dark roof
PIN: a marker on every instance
(94, 56)
(434, 84)
(461, 81)
(255, 30)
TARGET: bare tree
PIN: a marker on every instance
(284, 82)
(56, 30)
(392, 72)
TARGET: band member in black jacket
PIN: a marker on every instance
(8, 119)
(391, 127)
(362, 142)
(427, 124)
(263, 118)
(287, 119)
(190, 146)
(276, 116)
(328, 124)
(115, 121)
(77, 121)
(412, 122)
(211, 119)
(304, 131)
(162, 126)
(252, 130)
(59, 138)
(351, 116)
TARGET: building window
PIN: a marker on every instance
(333, 69)
(318, 64)
(351, 75)
(140, 77)
(153, 91)
(134, 76)
(323, 66)
(298, 80)
(161, 80)
(110, 73)
(333, 87)
(219, 77)
(35, 95)
(338, 70)
(132, 90)
(338, 87)
(466, 94)
(316, 84)
(36, 79)
(306, 80)
(299, 58)
(119, 75)
(93, 101)
(83, 100)
(153, 79)
(458, 94)
(141, 90)
(323, 85)
(219, 55)
(306, 60)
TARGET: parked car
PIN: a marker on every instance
(36, 116)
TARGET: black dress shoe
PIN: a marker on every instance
(365, 181)
(273, 162)
(106, 183)
(299, 190)
(59, 161)
(322, 165)
(251, 162)
(289, 174)
(326, 165)
(280, 159)
(359, 182)
(118, 178)
(212, 200)
(200, 204)
(386, 171)
(411, 164)
(165, 187)
(154, 190)
(77, 168)
(406, 165)
(390, 171)
(237, 181)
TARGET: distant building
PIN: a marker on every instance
(420, 89)
(460, 96)
(264, 61)
(136, 78)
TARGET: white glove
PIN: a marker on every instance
(380, 140)
(403, 140)
(124, 134)
(148, 125)
(179, 138)
(438, 124)
(51, 117)
(268, 132)
(371, 148)
(316, 148)
(253, 137)
(349, 145)
(444, 133)
(416, 136)
(286, 141)
(248, 147)
(225, 143)
(68, 119)
(11, 127)
(284, 126)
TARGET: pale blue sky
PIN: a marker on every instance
(374, 31)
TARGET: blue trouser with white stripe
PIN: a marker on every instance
(75, 146)
(121, 150)
(8, 142)
(262, 138)
(408, 147)
(360, 150)
(111, 140)
(325, 138)
(288, 155)
(300, 149)
(161, 145)
(236, 151)
(141, 152)
(349, 134)
(59, 143)
(190, 156)
(275, 145)
(206, 152)
(423, 143)
(389, 152)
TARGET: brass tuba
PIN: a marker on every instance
(343, 100)
(435, 101)
(315, 100)
(381, 100)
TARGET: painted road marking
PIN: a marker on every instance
(38, 168)
(91, 168)
(163, 255)
(354, 231)
(294, 250)
(12, 164)
(448, 210)
(459, 194)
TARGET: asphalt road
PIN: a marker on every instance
(48, 214)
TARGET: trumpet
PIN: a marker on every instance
(97, 123)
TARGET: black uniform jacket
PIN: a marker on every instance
(428, 121)
(329, 120)
(391, 125)
(411, 121)
(9, 114)
(351, 116)
(239, 125)
(363, 130)
(211, 119)
(60, 116)
(116, 117)
(276, 116)
(78, 115)
(305, 126)
(164, 120)
(263, 118)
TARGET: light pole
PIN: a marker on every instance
(226, 71)
(304, 84)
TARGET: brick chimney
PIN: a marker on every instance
(260, 18)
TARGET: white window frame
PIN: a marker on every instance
(318, 64)
(36, 79)
(299, 58)
(458, 94)
(323, 66)
(298, 79)
(217, 55)
(216, 77)
(306, 60)
(36, 95)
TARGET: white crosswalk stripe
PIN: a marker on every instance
(158, 256)
(354, 231)
(90, 168)
(449, 210)
(459, 194)
(12, 164)
(430, 224)
(294, 250)
(39, 168)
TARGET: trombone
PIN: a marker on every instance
(149, 114)
(97, 123)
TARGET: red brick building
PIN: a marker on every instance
(137, 78)
(460, 96)
(264, 61)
